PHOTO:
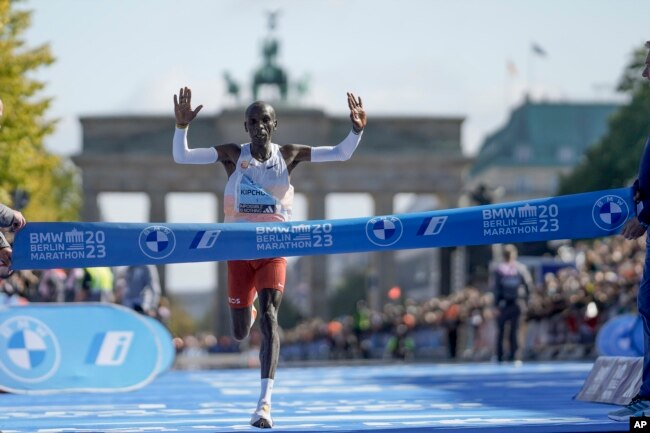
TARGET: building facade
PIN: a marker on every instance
(540, 142)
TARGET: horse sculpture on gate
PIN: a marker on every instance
(270, 73)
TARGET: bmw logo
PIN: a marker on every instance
(29, 350)
(384, 231)
(610, 212)
(157, 242)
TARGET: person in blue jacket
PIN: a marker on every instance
(633, 229)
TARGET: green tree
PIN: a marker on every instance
(52, 182)
(614, 161)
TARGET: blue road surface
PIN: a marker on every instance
(535, 397)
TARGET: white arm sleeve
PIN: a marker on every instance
(185, 155)
(341, 152)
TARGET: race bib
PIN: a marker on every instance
(254, 199)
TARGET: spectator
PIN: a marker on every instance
(400, 345)
(51, 287)
(142, 289)
(511, 284)
(97, 285)
(634, 229)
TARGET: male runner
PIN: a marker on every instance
(259, 190)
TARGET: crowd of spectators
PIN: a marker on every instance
(136, 287)
(563, 314)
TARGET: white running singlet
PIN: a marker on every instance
(258, 191)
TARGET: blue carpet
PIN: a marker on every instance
(535, 397)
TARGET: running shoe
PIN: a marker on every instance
(636, 407)
(262, 416)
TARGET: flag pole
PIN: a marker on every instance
(529, 84)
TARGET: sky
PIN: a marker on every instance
(469, 58)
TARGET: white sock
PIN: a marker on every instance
(267, 390)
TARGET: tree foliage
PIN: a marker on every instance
(51, 182)
(614, 161)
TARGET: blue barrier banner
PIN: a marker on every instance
(167, 344)
(621, 336)
(578, 216)
(95, 347)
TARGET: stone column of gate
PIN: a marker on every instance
(383, 263)
(317, 265)
(90, 208)
(458, 265)
(158, 214)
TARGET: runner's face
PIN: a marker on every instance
(260, 123)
